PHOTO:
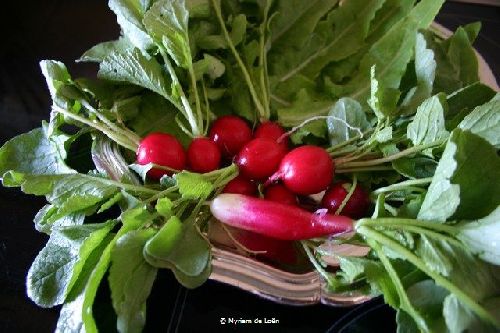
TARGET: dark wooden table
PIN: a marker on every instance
(62, 30)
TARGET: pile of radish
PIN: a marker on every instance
(270, 196)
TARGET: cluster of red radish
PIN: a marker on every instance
(262, 157)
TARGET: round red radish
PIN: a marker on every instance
(276, 250)
(230, 133)
(272, 131)
(162, 149)
(357, 205)
(203, 155)
(241, 185)
(280, 193)
(260, 158)
(305, 170)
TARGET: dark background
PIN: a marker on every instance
(62, 30)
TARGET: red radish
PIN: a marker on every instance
(272, 131)
(260, 158)
(277, 220)
(203, 155)
(280, 193)
(162, 149)
(306, 170)
(277, 250)
(230, 133)
(357, 205)
(241, 185)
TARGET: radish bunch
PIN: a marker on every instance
(285, 177)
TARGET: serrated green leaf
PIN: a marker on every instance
(347, 26)
(185, 250)
(303, 108)
(58, 265)
(134, 67)
(111, 202)
(167, 21)
(48, 218)
(161, 245)
(391, 53)
(428, 124)
(69, 192)
(481, 237)
(210, 66)
(458, 189)
(157, 115)
(238, 29)
(383, 99)
(164, 207)
(70, 317)
(131, 280)
(31, 153)
(484, 121)
(129, 14)
(99, 52)
(193, 185)
(349, 111)
(425, 70)
(432, 253)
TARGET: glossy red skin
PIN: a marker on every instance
(162, 149)
(280, 193)
(241, 185)
(260, 158)
(230, 133)
(306, 170)
(272, 131)
(275, 219)
(203, 155)
(356, 207)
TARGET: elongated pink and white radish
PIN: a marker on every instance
(277, 220)
(305, 170)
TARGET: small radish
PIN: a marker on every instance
(230, 133)
(357, 205)
(277, 220)
(260, 158)
(241, 185)
(162, 149)
(203, 155)
(280, 193)
(305, 170)
(272, 131)
(276, 250)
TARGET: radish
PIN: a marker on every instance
(230, 133)
(357, 205)
(260, 158)
(162, 149)
(203, 155)
(241, 185)
(305, 170)
(272, 131)
(277, 220)
(280, 193)
(275, 250)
